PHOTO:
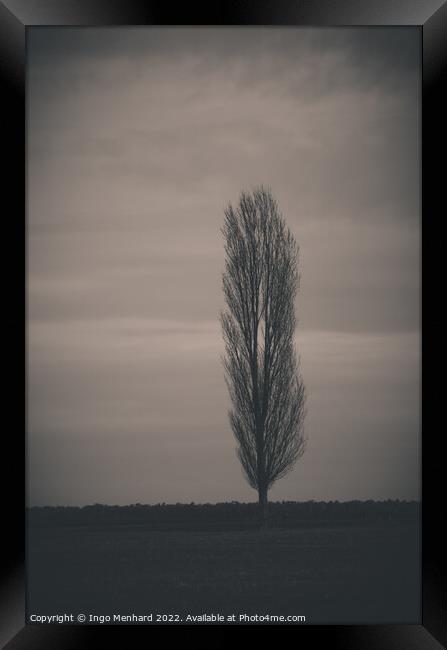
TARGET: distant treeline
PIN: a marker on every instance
(281, 513)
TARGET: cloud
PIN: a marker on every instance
(137, 140)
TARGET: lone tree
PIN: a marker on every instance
(260, 282)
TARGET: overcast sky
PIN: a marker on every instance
(138, 138)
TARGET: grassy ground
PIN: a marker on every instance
(355, 574)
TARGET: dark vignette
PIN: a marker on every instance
(116, 12)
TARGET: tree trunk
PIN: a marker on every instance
(263, 506)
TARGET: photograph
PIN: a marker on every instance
(223, 325)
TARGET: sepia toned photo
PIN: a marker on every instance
(223, 325)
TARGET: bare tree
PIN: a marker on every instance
(260, 283)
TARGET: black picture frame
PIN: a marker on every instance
(18, 15)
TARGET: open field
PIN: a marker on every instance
(362, 573)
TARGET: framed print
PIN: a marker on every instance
(227, 219)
